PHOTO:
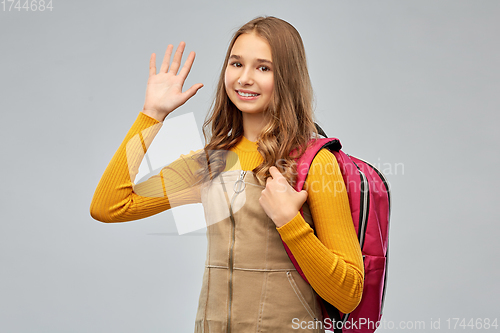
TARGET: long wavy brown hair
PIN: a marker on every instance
(289, 116)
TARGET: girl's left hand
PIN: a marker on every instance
(280, 201)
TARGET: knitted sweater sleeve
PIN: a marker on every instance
(118, 199)
(331, 261)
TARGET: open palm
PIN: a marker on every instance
(164, 90)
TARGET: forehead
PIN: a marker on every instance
(251, 46)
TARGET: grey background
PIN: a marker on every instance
(411, 82)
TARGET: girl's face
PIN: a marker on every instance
(249, 75)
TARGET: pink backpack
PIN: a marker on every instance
(369, 199)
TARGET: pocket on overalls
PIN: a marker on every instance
(300, 296)
(284, 307)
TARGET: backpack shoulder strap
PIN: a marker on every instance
(305, 161)
(303, 165)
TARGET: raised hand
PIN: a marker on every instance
(164, 90)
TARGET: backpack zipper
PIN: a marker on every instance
(386, 184)
(239, 186)
(363, 216)
(364, 206)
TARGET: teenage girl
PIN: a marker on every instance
(260, 121)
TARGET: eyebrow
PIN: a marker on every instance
(237, 57)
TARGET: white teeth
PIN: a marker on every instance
(246, 95)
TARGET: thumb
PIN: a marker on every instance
(304, 195)
(193, 90)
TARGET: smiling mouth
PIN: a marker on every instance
(244, 94)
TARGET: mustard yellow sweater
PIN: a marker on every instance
(331, 261)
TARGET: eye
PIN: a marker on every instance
(264, 68)
(235, 64)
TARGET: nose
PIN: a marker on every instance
(246, 77)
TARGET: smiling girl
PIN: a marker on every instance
(261, 119)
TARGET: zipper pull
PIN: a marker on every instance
(239, 185)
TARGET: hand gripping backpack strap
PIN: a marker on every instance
(303, 165)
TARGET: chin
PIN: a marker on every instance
(251, 111)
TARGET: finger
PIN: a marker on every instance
(192, 91)
(187, 65)
(176, 63)
(166, 59)
(304, 196)
(274, 172)
(152, 65)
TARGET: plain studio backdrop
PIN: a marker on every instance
(412, 86)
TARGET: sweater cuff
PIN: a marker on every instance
(295, 230)
(144, 118)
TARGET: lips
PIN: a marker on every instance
(246, 91)
(246, 94)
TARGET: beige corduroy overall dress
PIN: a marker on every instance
(249, 282)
